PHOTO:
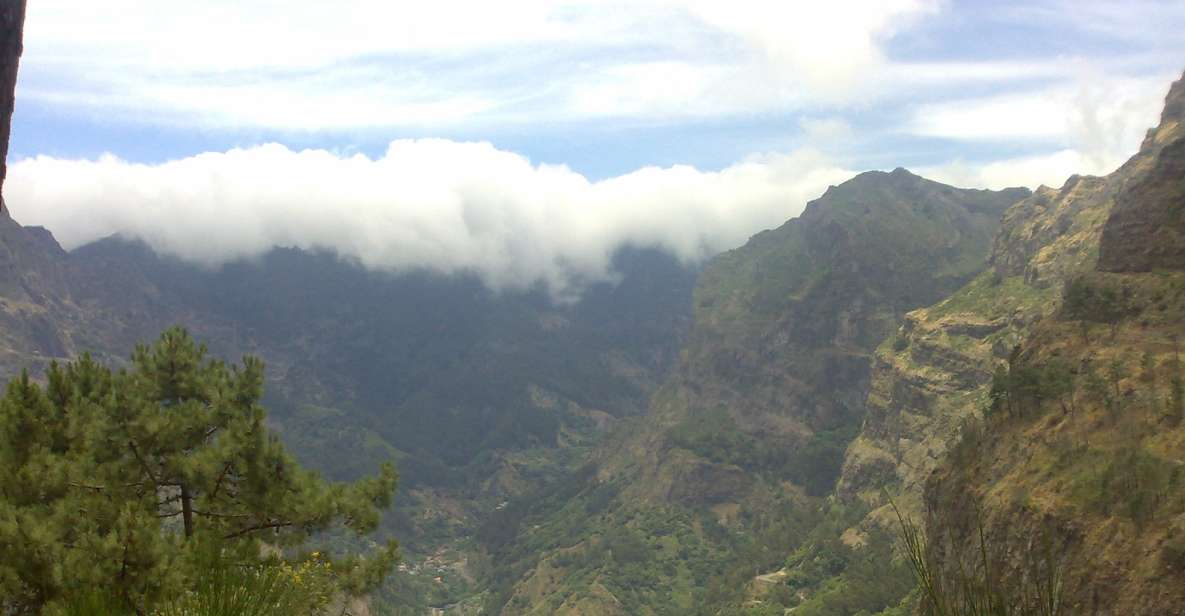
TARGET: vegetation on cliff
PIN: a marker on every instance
(724, 477)
(1084, 434)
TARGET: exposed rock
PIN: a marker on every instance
(1146, 230)
(1052, 233)
(786, 324)
(1091, 482)
(948, 351)
(1093, 477)
(779, 357)
(933, 375)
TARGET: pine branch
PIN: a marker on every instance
(251, 529)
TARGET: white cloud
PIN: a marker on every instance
(371, 65)
(830, 48)
(433, 204)
(313, 65)
(823, 132)
(1049, 169)
(1025, 116)
(176, 36)
(1094, 125)
(928, 74)
(1083, 108)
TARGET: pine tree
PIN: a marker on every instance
(125, 480)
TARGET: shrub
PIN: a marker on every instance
(977, 587)
(1131, 483)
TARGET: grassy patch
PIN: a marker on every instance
(1129, 483)
(991, 297)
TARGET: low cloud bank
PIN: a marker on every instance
(436, 204)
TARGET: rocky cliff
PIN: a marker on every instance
(785, 328)
(1146, 230)
(1084, 448)
(933, 375)
(748, 434)
(1078, 372)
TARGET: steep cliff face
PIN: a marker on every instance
(750, 430)
(797, 310)
(34, 298)
(1146, 231)
(1083, 449)
(1055, 233)
(933, 375)
(785, 328)
(1085, 455)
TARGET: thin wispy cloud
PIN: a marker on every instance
(362, 63)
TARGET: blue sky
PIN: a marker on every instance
(614, 119)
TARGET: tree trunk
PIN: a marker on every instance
(187, 510)
(12, 21)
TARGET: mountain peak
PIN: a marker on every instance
(1146, 229)
(1174, 102)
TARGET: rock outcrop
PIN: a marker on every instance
(1146, 230)
(771, 384)
(1079, 468)
(932, 377)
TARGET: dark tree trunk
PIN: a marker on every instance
(187, 510)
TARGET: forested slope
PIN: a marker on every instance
(724, 475)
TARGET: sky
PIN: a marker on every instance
(527, 140)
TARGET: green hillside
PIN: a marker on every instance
(724, 477)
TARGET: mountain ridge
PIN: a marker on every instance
(479, 396)
(765, 395)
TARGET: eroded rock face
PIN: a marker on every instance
(933, 375)
(12, 22)
(1146, 230)
(1050, 234)
(1040, 484)
(936, 374)
(778, 359)
(786, 324)
(1042, 477)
